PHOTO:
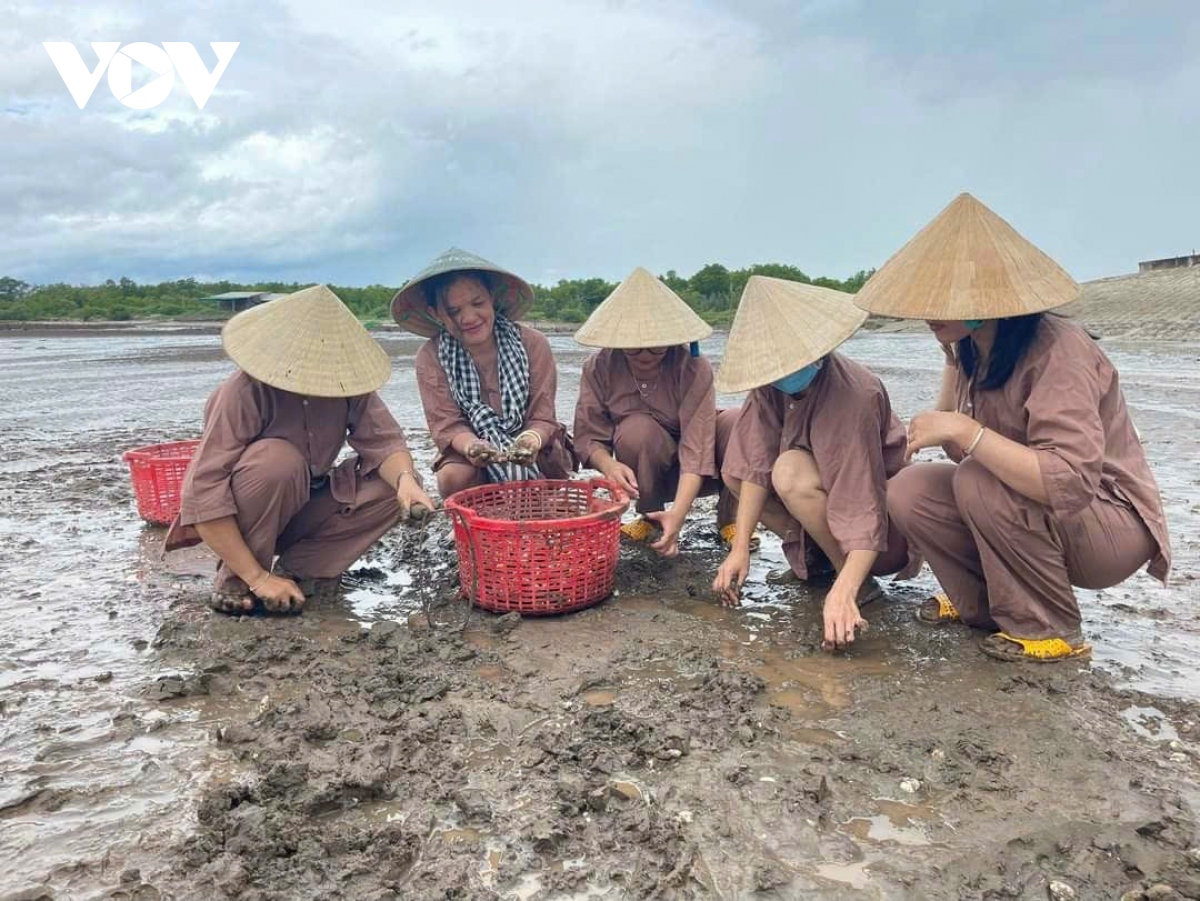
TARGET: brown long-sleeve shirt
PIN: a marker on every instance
(681, 399)
(845, 420)
(243, 410)
(446, 419)
(1064, 401)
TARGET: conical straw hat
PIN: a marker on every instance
(642, 312)
(410, 306)
(307, 343)
(968, 263)
(782, 326)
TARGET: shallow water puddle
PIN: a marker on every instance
(881, 829)
(897, 822)
(1150, 722)
(372, 598)
(854, 875)
(904, 815)
(492, 672)
(599, 697)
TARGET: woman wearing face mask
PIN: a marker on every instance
(1049, 486)
(487, 383)
(813, 448)
(646, 415)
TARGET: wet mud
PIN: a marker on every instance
(389, 743)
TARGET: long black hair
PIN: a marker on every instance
(1013, 337)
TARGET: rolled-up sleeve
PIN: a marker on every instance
(698, 421)
(754, 445)
(373, 432)
(593, 424)
(848, 448)
(541, 415)
(1065, 429)
(442, 413)
(233, 418)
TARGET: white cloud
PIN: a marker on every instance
(349, 142)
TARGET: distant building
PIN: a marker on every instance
(236, 301)
(1170, 263)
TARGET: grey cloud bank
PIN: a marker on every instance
(350, 143)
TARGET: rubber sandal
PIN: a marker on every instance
(638, 530)
(938, 609)
(1003, 646)
(729, 532)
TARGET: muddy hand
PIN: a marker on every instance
(525, 448)
(671, 524)
(842, 620)
(279, 595)
(520, 455)
(420, 514)
(731, 577)
(480, 453)
(623, 477)
(410, 495)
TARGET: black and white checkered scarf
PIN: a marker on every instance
(497, 428)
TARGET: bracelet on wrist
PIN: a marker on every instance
(970, 448)
(533, 434)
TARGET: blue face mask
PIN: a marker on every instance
(798, 380)
(973, 324)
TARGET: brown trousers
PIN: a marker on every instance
(1003, 559)
(314, 534)
(642, 444)
(804, 557)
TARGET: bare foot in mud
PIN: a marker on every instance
(274, 594)
(232, 604)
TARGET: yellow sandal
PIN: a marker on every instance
(729, 532)
(639, 530)
(1010, 649)
(938, 609)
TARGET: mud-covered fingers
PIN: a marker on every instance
(732, 596)
(230, 603)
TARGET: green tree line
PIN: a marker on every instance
(713, 292)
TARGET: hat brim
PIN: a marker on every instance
(967, 263)
(307, 343)
(411, 310)
(782, 326)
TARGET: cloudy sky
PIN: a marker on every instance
(349, 142)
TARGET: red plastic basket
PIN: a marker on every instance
(157, 474)
(538, 547)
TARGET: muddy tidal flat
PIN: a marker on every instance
(386, 745)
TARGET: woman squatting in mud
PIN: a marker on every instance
(487, 382)
(813, 448)
(646, 416)
(1049, 486)
(263, 482)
